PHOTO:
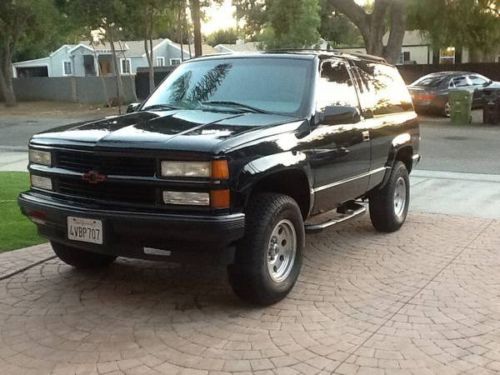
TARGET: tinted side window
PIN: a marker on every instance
(477, 80)
(335, 87)
(382, 89)
(460, 82)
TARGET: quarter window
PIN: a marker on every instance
(335, 87)
(382, 90)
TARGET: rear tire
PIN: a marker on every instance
(389, 205)
(269, 257)
(80, 258)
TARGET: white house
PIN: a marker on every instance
(86, 59)
(417, 49)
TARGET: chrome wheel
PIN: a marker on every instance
(400, 197)
(282, 249)
(447, 109)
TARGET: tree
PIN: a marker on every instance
(280, 23)
(372, 25)
(297, 27)
(336, 28)
(146, 22)
(254, 15)
(108, 16)
(21, 22)
(462, 23)
(227, 36)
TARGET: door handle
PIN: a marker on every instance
(366, 135)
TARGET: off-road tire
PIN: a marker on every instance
(81, 259)
(383, 212)
(249, 275)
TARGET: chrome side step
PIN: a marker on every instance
(342, 214)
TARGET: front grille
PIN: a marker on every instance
(108, 191)
(106, 164)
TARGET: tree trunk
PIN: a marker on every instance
(195, 16)
(6, 84)
(372, 26)
(148, 47)
(398, 27)
(119, 83)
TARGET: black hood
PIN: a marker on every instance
(181, 130)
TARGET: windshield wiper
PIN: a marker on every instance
(160, 107)
(228, 103)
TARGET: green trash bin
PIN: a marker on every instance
(460, 107)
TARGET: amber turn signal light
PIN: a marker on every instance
(220, 170)
(220, 198)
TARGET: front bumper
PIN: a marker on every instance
(128, 233)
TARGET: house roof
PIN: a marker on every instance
(129, 48)
(238, 47)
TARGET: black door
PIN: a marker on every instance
(339, 143)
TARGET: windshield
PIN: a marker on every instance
(430, 81)
(267, 85)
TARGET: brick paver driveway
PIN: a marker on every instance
(423, 300)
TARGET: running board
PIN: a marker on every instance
(342, 214)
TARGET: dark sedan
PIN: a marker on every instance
(430, 92)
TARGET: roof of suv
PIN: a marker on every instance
(297, 53)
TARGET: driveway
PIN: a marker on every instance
(423, 300)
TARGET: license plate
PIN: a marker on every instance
(85, 230)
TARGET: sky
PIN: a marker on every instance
(222, 17)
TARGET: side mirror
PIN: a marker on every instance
(336, 115)
(133, 107)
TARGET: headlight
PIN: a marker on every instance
(40, 182)
(40, 157)
(186, 169)
(216, 169)
(186, 198)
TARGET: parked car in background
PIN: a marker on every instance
(430, 92)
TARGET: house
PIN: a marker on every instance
(417, 49)
(86, 59)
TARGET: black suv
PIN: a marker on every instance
(237, 155)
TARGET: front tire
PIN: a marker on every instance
(81, 259)
(269, 257)
(389, 205)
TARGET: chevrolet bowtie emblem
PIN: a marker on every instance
(93, 177)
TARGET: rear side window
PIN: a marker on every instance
(382, 90)
(478, 80)
(335, 86)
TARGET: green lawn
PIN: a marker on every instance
(16, 231)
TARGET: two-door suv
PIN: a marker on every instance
(232, 155)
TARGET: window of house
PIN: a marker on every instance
(447, 55)
(404, 57)
(67, 68)
(335, 87)
(175, 61)
(160, 61)
(126, 66)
